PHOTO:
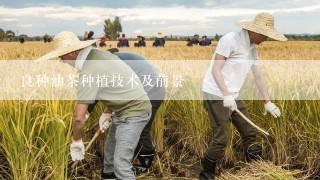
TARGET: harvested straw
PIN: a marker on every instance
(261, 170)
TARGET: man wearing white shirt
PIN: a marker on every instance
(235, 55)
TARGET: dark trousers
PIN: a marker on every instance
(221, 118)
(145, 146)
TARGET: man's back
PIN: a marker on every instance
(113, 84)
(147, 74)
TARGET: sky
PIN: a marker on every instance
(146, 17)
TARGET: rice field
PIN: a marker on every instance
(35, 135)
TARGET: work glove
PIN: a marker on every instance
(229, 102)
(105, 121)
(77, 150)
(272, 109)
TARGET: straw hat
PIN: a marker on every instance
(263, 23)
(159, 35)
(64, 43)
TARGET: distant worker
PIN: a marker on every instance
(21, 39)
(103, 41)
(141, 42)
(205, 41)
(90, 37)
(159, 41)
(189, 43)
(195, 39)
(123, 41)
(47, 38)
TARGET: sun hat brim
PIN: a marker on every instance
(62, 51)
(270, 32)
(160, 35)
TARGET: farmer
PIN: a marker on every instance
(235, 55)
(130, 103)
(123, 41)
(141, 42)
(149, 76)
(90, 37)
(103, 41)
(195, 39)
(205, 41)
(159, 41)
(189, 42)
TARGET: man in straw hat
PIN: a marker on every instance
(130, 103)
(159, 41)
(235, 55)
(141, 42)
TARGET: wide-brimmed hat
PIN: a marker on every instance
(263, 23)
(159, 35)
(64, 43)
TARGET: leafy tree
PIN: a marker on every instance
(112, 28)
(117, 26)
(2, 34)
(107, 25)
(10, 33)
(113, 33)
(217, 37)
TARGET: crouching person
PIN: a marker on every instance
(145, 150)
(141, 42)
(130, 104)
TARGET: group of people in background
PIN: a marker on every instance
(124, 42)
(158, 42)
(195, 40)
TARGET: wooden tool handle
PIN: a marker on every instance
(252, 124)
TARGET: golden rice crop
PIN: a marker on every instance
(35, 135)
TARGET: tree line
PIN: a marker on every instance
(10, 36)
(7, 35)
(113, 29)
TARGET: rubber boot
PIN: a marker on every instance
(108, 176)
(253, 154)
(145, 163)
(209, 169)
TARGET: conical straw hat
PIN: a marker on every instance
(263, 23)
(64, 43)
(159, 35)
